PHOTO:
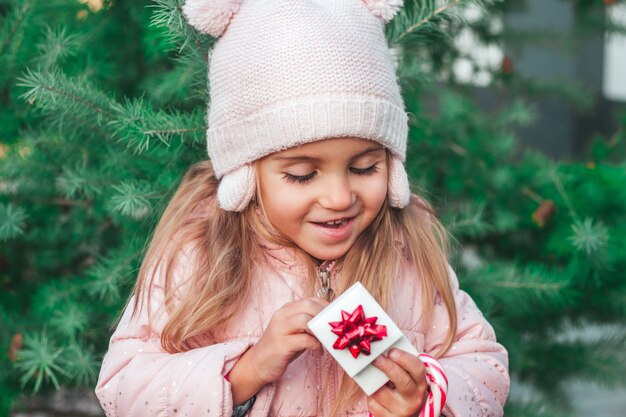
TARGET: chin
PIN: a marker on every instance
(328, 254)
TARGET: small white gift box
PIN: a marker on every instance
(344, 340)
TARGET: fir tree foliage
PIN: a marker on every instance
(12, 220)
(103, 109)
(40, 361)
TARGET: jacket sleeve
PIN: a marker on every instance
(139, 378)
(476, 364)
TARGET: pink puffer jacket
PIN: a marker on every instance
(138, 378)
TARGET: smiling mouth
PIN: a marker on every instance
(335, 224)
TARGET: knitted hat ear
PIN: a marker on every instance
(385, 10)
(237, 188)
(210, 16)
(399, 191)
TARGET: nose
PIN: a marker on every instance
(337, 193)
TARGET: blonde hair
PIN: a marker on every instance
(225, 240)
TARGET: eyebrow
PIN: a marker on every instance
(304, 158)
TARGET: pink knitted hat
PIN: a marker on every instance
(288, 72)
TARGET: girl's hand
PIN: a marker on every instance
(408, 376)
(285, 338)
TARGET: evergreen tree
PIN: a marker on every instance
(103, 109)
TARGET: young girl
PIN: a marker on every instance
(305, 194)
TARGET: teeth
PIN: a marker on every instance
(336, 222)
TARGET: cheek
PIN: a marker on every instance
(282, 202)
(375, 192)
(380, 194)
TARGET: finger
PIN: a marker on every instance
(376, 408)
(321, 301)
(304, 341)
(386, 397)
(412, 365)
(310, 306)
(296, 323)
(404, 383)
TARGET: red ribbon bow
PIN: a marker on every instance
(356, 332)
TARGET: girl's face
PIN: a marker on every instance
(323, 195)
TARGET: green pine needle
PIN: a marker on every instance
(427, 19)
(71, 98)
(168, 14)
(12, 221)
(40, 361)
(56, 46)
(70, 320)
(468, 220)
(139, 126)
(76, 182)
(517, 113)
(109, 276)
(132, 199)
(82, 364)
(589, 237)
(520, 289)
(177, 31)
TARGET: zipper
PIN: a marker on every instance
(324, 274)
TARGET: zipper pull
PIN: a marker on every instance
(325, 291)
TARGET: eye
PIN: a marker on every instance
(304, 179)
(365, 171)
(300, 179)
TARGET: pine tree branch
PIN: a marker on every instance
(107, 275)
(156, 132)
(438, 11)
(521, 288)
(138, 125)
(18, 23)
(85, 123)
(559, 186)
(12, 221)
(77, 99)
(196, 39)
(164, 16)
(43, 87)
